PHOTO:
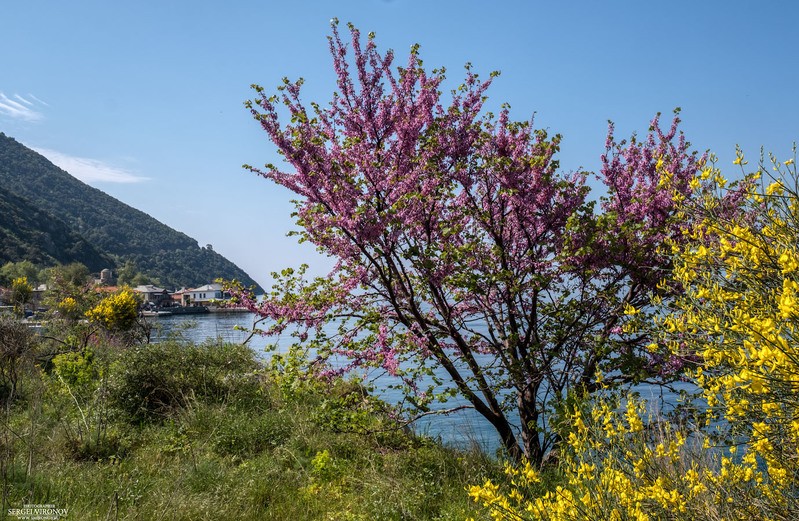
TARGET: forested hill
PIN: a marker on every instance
(110, 226)
(29, 233)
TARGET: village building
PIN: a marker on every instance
(153, 295)
(181, 297)
(106, 277)
(204, 295)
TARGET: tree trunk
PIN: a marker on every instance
(529, 414)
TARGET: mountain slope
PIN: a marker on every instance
(109, 225)
(26, 232)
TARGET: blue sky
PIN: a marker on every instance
(144, 100)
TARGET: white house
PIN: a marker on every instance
(205, 294)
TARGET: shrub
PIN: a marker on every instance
(116, 312)
(150, 381)
(245, 435)
(737, 316)
(77, 368)
(16, 344)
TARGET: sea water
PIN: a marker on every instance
(464, 429)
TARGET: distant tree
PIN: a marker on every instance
(21, 292)
(70, 292)
(75, 274)
(15, 270)
(128, 275)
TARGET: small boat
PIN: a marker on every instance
(159, 313)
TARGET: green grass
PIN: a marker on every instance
(175, 431)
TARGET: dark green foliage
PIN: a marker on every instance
(12, 270)
(154, 380)
(34, 184)
(206, 266)
(244, 436)
(30, 233)
(16, 344)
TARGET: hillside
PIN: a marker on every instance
(26, 232)
(108, 225)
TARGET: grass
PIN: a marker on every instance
(177, 431)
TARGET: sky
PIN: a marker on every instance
(145, 100)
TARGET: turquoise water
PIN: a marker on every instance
(463, 429)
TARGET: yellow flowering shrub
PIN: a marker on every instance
(21, 291)
(68, 307)
(739, 312)
(116, 312)
(615, 466)
(737, 315)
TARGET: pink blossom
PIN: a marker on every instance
(461, 245)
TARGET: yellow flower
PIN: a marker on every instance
(630, 310)
(774, 188)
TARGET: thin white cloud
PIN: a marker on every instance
(20, 107)
(90, 170)
(34, 98)
(23, 100)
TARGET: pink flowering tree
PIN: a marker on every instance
(467, 263)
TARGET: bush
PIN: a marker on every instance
(116, 312)
(16, 344)
(737, 317)
(77, 369)
(151, 381)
